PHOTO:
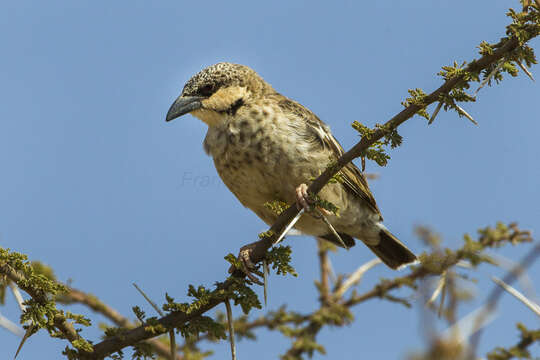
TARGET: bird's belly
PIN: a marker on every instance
(254, 178)
(261, 166)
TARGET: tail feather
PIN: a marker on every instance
(392, 251)
(347, 239)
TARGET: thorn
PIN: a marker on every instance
(231, 328)
(485, 81)
(529, 303)
(334, 232)
(148, 299)
(289, 227)
(172, 338)
(18, 296)
(441, 289)
(464, 264)
(466, 114)
(525, 70)
(25, 337)
(443, 296)
(438, 290)
(465, 327)
(265, 276)
(435, 113)
(519, 271)
(355, 277)
(363, 158)
(11, 326)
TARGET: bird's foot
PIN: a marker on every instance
(248, 267)
(302, 197)
(303, 200)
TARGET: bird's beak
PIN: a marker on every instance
(183, 105)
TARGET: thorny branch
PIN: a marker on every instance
(335, 310)
(332, 301)
(261, 247)
(324, 262)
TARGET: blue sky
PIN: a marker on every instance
(97, 185)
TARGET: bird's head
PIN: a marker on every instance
(217, 91)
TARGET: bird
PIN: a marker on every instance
(267, 147)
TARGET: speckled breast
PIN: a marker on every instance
(248, 158)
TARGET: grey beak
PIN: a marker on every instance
(183, 105)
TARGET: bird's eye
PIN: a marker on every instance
(206, 90)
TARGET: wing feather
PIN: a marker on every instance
(319, 134)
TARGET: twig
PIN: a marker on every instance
(529, 303)
(331, 272)
(324, 271)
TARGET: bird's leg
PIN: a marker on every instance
(303, 200)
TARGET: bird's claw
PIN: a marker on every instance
(302, 197)
(247, 265)
(303, 200)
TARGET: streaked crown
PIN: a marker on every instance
(221, 75)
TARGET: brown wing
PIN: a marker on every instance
(319, 134)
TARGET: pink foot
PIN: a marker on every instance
(303, 201)
(302, 197)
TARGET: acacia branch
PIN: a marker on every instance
(59, 320)
(324, 265)
(92, 302)
(259, 248)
